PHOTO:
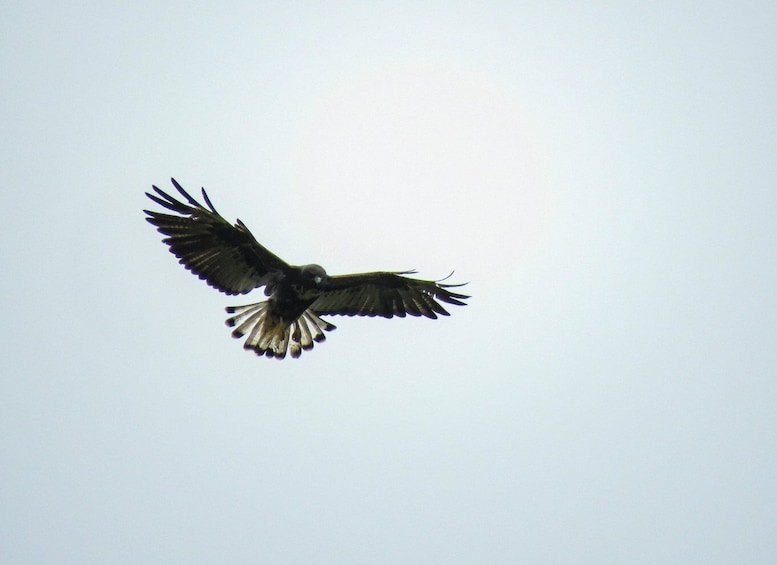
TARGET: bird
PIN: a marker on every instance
(230, 259)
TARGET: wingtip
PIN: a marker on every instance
(449, 285)
(207, 201)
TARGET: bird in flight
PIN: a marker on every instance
(229, 259)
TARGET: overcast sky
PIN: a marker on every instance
(603, 174)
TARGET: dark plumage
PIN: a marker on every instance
(229, 258)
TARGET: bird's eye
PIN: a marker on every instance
(317, 279)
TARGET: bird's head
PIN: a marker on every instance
(314, 275)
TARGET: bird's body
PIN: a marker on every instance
(229, 258)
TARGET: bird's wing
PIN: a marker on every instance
(385, 294)
(227, 257)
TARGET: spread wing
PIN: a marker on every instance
(226, 256)
(385, 294)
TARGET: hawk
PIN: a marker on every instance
(231, 260)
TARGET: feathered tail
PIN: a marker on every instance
(273, 337)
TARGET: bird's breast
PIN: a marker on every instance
(290, 300)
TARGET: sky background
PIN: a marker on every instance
(604, 175)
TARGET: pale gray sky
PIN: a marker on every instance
(603, 173)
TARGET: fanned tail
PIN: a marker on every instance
(273, 337)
